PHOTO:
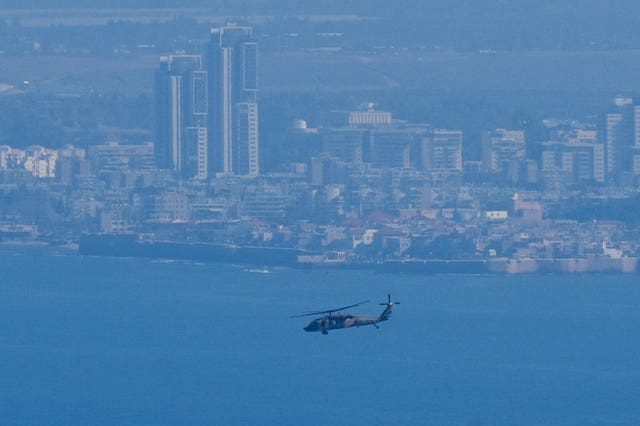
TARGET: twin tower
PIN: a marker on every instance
(206, 110)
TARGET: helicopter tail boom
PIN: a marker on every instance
(388, 310)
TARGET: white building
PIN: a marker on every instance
(442, 151)
(502, 147)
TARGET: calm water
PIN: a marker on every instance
(87, 340)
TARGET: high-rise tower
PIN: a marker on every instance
(231, 64)
(181, 106)
(622, 140)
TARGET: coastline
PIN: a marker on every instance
(130, 246)
(269, 257)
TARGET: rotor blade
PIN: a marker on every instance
(328, 311)
(389, 302)
(350, 306)
(309, 314)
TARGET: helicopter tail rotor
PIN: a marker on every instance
(389, 302)
(389, 308)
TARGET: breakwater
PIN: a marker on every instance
(131, 246)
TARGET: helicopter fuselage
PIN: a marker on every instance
(337, 321)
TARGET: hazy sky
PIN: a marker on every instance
(459, 24)
(595, 9)
(593, 18)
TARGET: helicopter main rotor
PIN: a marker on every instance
(329, 311)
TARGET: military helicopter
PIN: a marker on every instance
(335, 320)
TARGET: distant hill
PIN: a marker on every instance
(461, 24)
(464, 10)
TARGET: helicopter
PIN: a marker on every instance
(334, 320)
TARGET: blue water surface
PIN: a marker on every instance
(89, 340)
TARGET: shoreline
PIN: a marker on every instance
(130, 246)
(268, 257)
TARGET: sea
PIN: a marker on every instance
(126, 341)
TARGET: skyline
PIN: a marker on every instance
(339, 163)
(180, 178)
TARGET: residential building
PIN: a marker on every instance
(181, 110)
(622, 139)
(501, 149)
(577, 155)
(233, 109)
(442, 151)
